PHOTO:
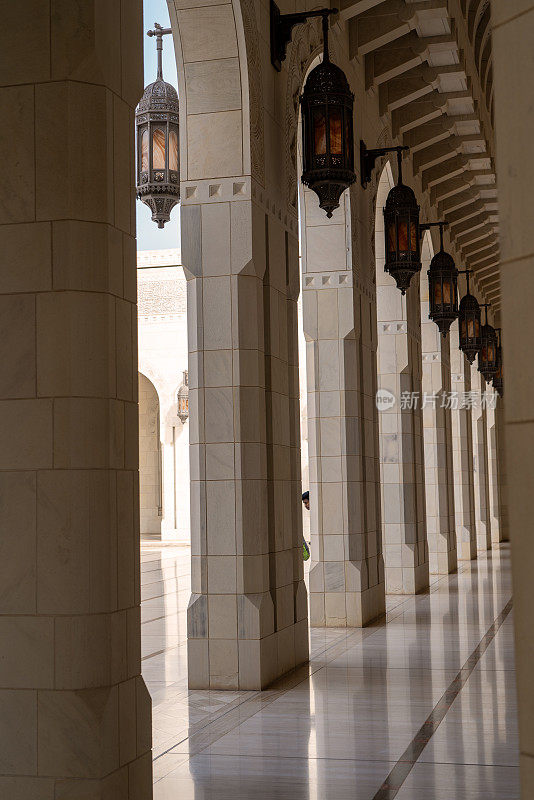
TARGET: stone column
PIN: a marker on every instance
(247, 617)
(480, 461)
(493, 466)
(501, 470)
(75, 712)
(514, 120)
(437, 426)
(462, 450)
(401, 438)
(346, 576)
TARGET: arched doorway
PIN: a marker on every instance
(150, 467)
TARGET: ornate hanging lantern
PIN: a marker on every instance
(327, 131)
(442, 287)
(156, 119)
(498, 378)
(487, 355)
(469, 324)
(183, 398)
(401, 222)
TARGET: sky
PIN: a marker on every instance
(149, 236)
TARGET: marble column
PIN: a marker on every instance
(512, 34)
(501, 471)
(74, 709)
(401, 438)
(493, 466)
(437, 427)
(462, 450)
(346, 576)
(247, 617)
(480, 460)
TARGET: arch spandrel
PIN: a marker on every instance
(218, 53)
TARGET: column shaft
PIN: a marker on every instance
(247, 617)
(437, 425)
(493, 467)
(75, 711)
(401, 439)
(501, 471)
(480, 461)
(462, 451)
(346, 577)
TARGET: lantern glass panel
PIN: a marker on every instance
(437, 293)
(173, 150)
(336, 130)
(413, 236)
(392, 237)
(462, 329)
(319, 132)
(403, 236)
(447, 294)
(144, 151)
(158, 148)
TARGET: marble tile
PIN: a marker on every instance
(335, 728)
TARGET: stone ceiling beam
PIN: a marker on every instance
(414, 84)
(460, 228)
(396, 58)
(458, 201)
(471, 250)
(389, 21)
(454, 186)
(465, 212)
(445, 149)
(351, 8)
(488, 265)
(483, 255)
(477, 235)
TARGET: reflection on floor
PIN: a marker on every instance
(338, 729)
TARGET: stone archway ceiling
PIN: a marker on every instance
(430, 62)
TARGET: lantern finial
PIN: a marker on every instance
(159, 32)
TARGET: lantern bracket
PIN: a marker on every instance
(368, 159)
(425, 226)
(282, 26)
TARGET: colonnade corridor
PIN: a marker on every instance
(422, 701)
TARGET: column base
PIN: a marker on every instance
(483, 536)
(254, 660)
(443, 563)
(407, 580)
(466, 544)
(347, 609)
(90, 743)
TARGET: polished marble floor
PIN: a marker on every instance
(420, 706)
